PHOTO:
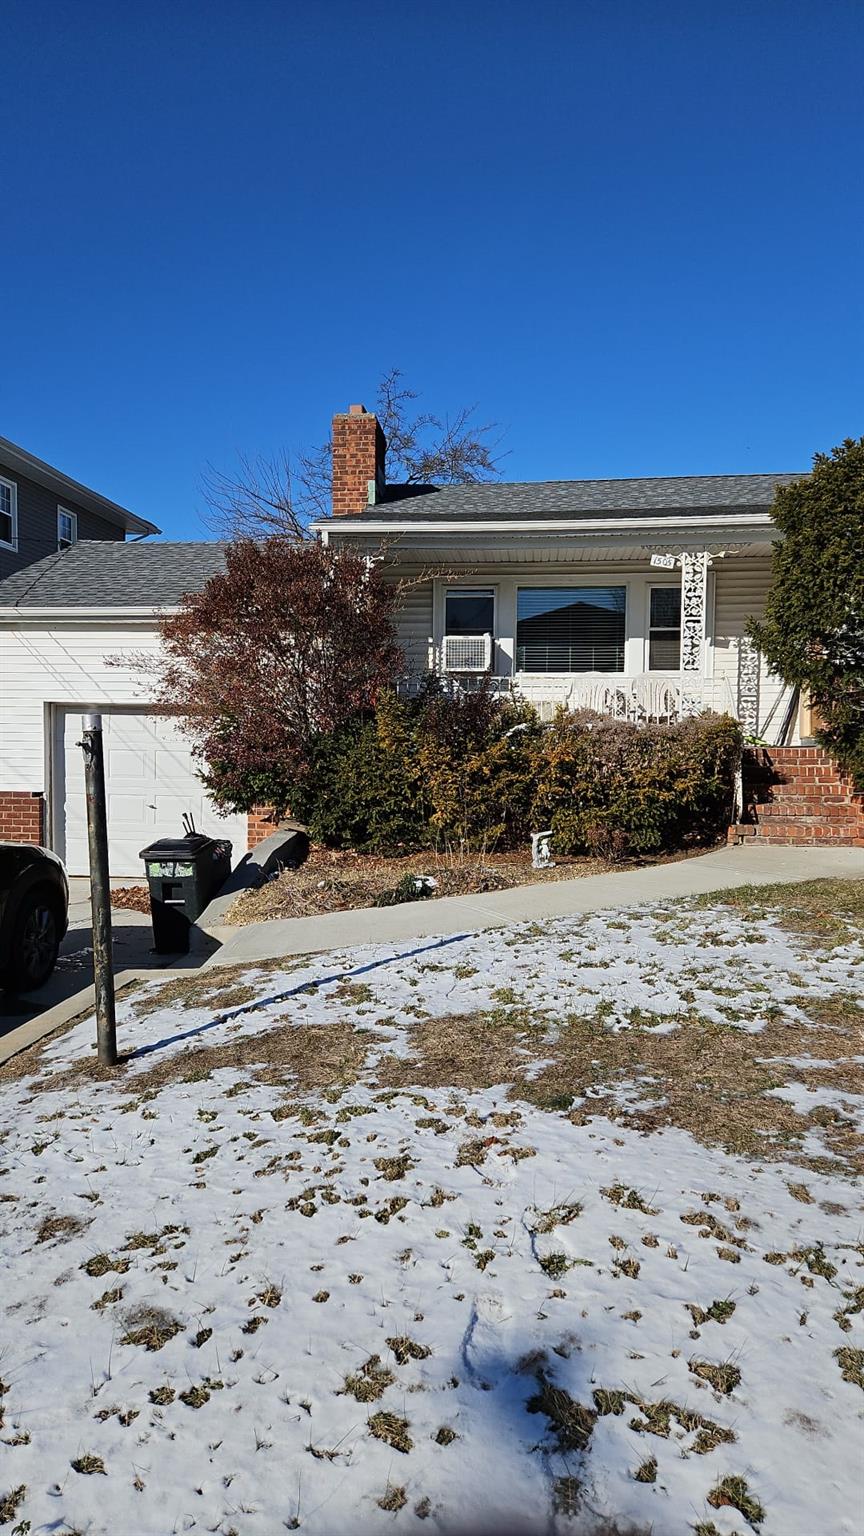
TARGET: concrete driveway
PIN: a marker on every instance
(133, 950)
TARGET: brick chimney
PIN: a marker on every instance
(359, 446)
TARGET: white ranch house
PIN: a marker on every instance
(631, 597)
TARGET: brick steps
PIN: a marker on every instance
(810, 808)
(798, 795)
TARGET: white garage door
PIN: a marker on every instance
(150, 781)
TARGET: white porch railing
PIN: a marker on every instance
(639, 699)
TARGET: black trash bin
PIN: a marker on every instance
(183, 874)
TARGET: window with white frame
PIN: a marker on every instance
(664, 630)
(469, 626)
(67, 528)
(8, 514)
(570, 629)
(469, 611)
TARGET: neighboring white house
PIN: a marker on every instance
(71, 628)
(627, 596)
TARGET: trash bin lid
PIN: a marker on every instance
(177, 847)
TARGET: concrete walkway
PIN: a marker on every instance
(721, 870)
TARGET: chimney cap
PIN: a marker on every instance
(357, 410)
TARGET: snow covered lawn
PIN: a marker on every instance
(548, 1229)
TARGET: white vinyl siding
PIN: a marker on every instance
(46, 671)
(414, 627)
(740, 588)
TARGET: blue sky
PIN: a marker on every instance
(631, 231)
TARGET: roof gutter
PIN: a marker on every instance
(10, 614)
(624, 527)
(18, 459)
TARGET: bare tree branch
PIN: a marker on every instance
(264, 499)
(424, 449)
(255, 503)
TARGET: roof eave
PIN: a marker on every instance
(625, 527)
(54, 480)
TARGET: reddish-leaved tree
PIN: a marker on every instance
(289, 641)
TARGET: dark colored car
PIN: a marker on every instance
(34, 914)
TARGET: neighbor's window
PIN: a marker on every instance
(570, 629)
(469, 611)
(9, 514)
(67, 528)
(664, 630)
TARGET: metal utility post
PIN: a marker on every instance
(100, 889)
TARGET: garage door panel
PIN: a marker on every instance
(150, 781)
(129, 767)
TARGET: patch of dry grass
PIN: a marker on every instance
(370, 1382)
(306, 1056)
(630, 1199)
(724, 1377)
(225, 987)
(405, 1349)
(571, 1422)
(465, 1051)
(828, 912)
(87, 1465)
(733, 1493)
(713, 1080)
(53, 1228)
(11, 1502)
(559, 1215)
(107, 1299)
(150, 1327)
(718, 1312)
(392, 1430)
(103, 1263)
(393, 1499)
(851, 1363)
(394, 1167)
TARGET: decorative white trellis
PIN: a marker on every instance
(748, 686)
(694, 602)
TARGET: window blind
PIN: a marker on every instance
(570, 629)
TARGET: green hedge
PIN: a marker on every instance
(476, 772)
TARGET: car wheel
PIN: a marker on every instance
(35, 942)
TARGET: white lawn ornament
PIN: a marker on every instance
(541, 855)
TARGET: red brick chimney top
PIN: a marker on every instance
(358, 447)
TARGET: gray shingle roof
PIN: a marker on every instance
(683, 495)
(108, 573)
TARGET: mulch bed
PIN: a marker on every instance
(337, 880)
